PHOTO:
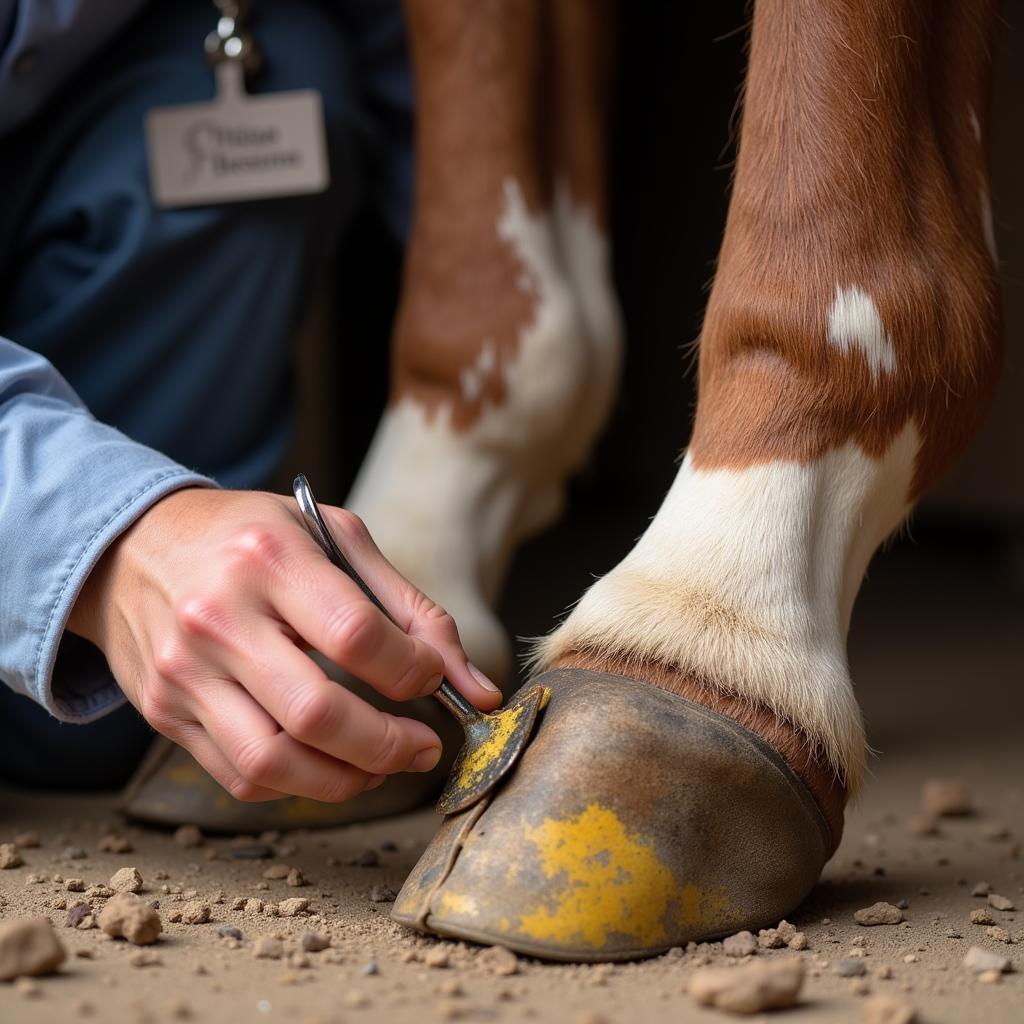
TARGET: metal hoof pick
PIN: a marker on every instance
(493, 741)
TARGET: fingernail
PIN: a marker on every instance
(481, 678)
(374, 782)
(425, 760)
(433, 685)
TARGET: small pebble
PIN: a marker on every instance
(922, 824)
(268, 948)
(365, 859)
(27, 988)
(29, 946)
(739, 945)
(75, 853)
(126, 916)
(437, 957)
(749, 988)
(145, 958)
(997, 902)
(295, 878)
(188, 836)
(197, 912)
(76, 915)
(27, 840)
(293, 907)
(850, 968)
(946, 797)
(314, 942)
(981, 916)
(886, 1009)
(499, 960)
(276, 871)
(9, 856)
(369, 968)
(878, 913)
(978, 959)
(229, 931)
(255, 851)
(126, 880)
(75, 885)
(114, 843)
(382, 894)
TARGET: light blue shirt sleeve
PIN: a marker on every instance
(69, 485)
(43, 43)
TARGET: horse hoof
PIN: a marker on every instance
(636, 821)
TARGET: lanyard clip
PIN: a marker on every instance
(231, 41)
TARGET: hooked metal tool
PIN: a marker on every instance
(494, 741)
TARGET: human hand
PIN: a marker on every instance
(204, 609)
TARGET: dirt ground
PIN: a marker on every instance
(938, 661)
(376, 971)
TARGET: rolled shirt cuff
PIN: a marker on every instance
(89, 690)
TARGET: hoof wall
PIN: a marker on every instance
(635, 821)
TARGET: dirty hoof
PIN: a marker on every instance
(636, 821)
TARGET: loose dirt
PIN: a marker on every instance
(237, 941)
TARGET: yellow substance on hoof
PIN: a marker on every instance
(503, 725)
(608, 881)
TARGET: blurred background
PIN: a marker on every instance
(937, 633)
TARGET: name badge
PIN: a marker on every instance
(237, 146)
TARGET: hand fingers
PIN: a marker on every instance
(266, 756)
(324, 715)
(202, 748)
(331, 614)
(417, 615)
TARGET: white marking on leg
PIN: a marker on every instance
(473, 378)
(448, 506)
(586, 257)
(747, 578)
(975, 123)
(853, 322)
(987, 226)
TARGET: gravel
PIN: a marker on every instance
(750, 988)
(29, 946)
(978, 959)
(126, 916)
(878, 913)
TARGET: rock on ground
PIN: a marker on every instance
(947, 797)
(128, 917)
(188, 836)
(878, 913)
(29, 946)
(9, 856)
(752, 988)
(196, 912)
(739, 945)
(851, 968)
(887, 1009)
(268, 948)
(314, 942)
(978, 959)
(126, 880)
(499, 960)
(293, 907)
